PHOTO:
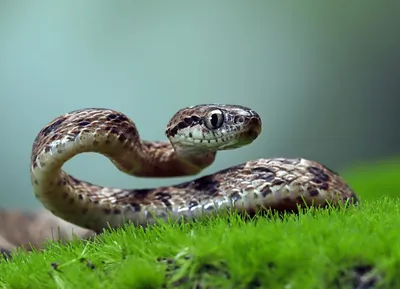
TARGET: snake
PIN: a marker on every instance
(195, 135)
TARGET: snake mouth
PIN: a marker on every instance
(245, 138)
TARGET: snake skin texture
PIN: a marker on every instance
(195, 135)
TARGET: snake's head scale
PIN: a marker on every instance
(212, 127)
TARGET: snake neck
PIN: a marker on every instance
(160, 159)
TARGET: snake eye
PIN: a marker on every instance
(214, 119)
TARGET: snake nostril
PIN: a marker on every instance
(239, 119)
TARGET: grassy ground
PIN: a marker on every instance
(354, 248)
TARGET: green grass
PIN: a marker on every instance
(353, 248)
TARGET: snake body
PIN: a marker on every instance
(195, 135)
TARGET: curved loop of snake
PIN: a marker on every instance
(195, 135)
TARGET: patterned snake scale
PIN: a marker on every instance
(195, 135)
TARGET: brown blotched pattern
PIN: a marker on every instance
(196, 134)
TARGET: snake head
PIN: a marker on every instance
(212, 127)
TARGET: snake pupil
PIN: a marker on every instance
(214, 120)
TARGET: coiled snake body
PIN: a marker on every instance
(195, 135)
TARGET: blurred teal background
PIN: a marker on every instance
(324, 76)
